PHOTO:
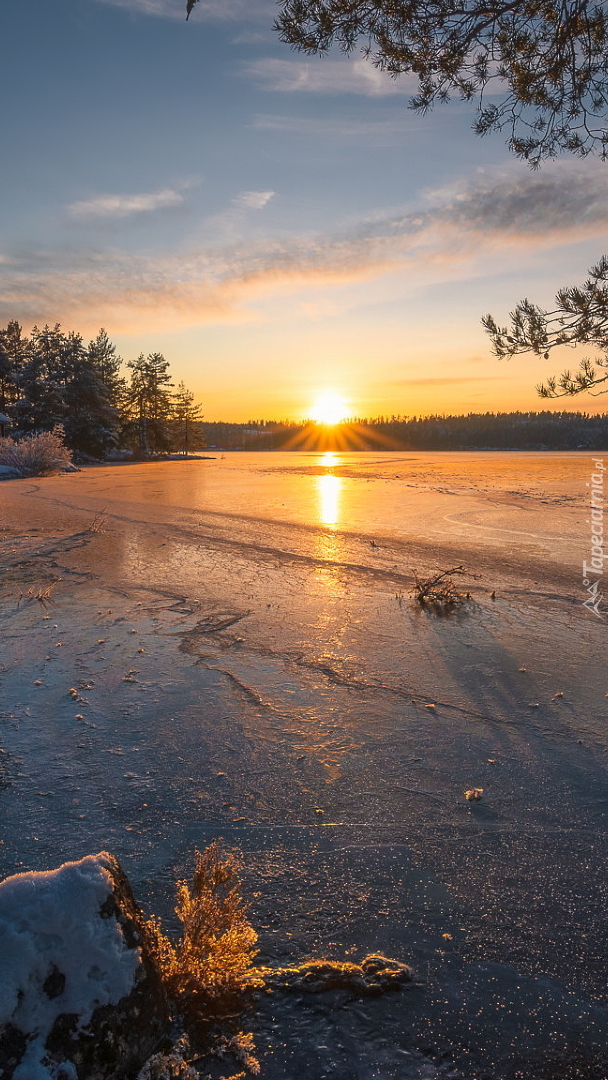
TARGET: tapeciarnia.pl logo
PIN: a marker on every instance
(594, 570)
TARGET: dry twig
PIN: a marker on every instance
(439, 590)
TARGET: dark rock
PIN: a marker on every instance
(12, 1048)
(54, 984)
(80, 994)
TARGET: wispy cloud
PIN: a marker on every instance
(165, 8)
(224, 10)
(253, 200)
(565, 197)
(248, 10)
(120, 206)
(323, 75)
(376, 132)
(448, 380)
(465, 229)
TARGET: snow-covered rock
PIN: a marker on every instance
(65, 466)
(80, 996)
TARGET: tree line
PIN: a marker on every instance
(496, 431)
(476, 431)
(51, 377)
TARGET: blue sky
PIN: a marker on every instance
(277, 225)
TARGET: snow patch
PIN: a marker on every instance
(52, 932)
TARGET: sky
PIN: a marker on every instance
(277, 225)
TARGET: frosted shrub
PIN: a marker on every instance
(210, 968)
(169, 1066)
(36, 455)
(208, 973)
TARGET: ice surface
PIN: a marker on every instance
(249, 665)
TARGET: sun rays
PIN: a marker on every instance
(329, 409)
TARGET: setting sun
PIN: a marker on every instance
(329, 409)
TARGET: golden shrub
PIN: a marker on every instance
(209, 970)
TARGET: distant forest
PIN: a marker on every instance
(109, 409)
(475, 431)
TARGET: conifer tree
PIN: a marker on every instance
(101, 353)
(186, 416)
(580, 317)
(41, 404)
(148, 402)
(538, 68)
(13, 354)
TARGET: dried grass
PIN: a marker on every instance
(169, 1066)
(375, 975)
(241, 1047)
(43, 594)
(98, 524)
(439, 590)
(209, 971)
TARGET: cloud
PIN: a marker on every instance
(518, 204)
(165, 8)
(447, 380)
(119, 206)
(253, 200)
(232, 10)
(375, 132)
(221, 10)
(323, 75)
(467, 229)
(252, 37)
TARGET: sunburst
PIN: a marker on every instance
(329, 409)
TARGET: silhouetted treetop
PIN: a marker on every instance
(544, 62)
(579, 318)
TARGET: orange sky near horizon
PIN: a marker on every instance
(461, 384)
(276, 225)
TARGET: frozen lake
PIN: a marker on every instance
(247, 663)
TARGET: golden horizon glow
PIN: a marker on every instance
(329, 409)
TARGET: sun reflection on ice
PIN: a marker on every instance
(329, 499)
(328, 541)
(329, 488)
